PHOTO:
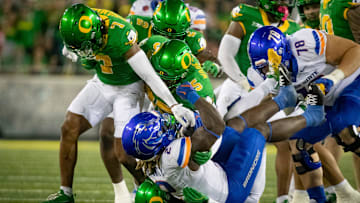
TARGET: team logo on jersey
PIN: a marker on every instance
(202, 43)
(131, 36)
(236, 12)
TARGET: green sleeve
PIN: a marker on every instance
(142, 25)
(196, 41)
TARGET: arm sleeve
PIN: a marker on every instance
(143, 68)
(228, 49)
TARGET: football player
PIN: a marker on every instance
(235, 62)
(175, 64)
(309, 11)
(149, 137)
(147, 7)
(329, 61)
(172, 19)
(106, 42)
(341, 18)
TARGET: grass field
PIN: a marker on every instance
(29, 172)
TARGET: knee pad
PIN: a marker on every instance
(304, 157)
(353, 146)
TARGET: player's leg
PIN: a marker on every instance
(229, 93)
(107, 142)
(259, 183)
(86, 110)
(299, 195)
(108, 155)
(283, 168)
(356, 165)
(126, 105)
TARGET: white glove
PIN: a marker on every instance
(69, 54)
(183, 115)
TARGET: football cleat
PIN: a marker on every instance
(315, 96)
(284, 76)
(59, 197)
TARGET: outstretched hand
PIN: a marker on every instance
(186, 92)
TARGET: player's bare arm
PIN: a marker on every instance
(235, 30)
(354, 21)
(344, 53)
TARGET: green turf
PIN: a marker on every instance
(29, 172)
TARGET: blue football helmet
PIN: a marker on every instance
(261, 41)
(148, 133)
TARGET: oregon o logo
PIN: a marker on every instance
(85, 24)
(156, 199)
(169, 30)
(186, 61)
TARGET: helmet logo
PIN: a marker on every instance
(85, 24)
(273, 35)
(169, 30)
(186, 61)
(156, 199)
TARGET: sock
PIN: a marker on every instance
(121, 192)
(317, 193)
(282, 198)
(343, 188)
(67, 190)
(330, 189)
(300, 196)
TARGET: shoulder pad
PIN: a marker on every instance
(196, 41)
(243, 12)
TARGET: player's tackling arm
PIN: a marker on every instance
(212, 124)
(354, 22)
(344, 53)
(141, 65)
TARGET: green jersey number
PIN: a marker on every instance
(106, 66)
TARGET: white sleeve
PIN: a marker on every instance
(251, 99)
(143, 68)
(228, 49)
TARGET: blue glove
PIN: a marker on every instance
(287, 97)
(186, 92)
(324, 84)
(314, 115)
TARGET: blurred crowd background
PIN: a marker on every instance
(29, 36)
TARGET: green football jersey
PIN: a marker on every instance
(194, 39)
(333, 17)
(109, 61)
(197, 77)
(251, 18)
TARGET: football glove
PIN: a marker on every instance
(193, 196)
(183, 115)
(211, 67)
(186, 92)
(202, 157)
(324, 84)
